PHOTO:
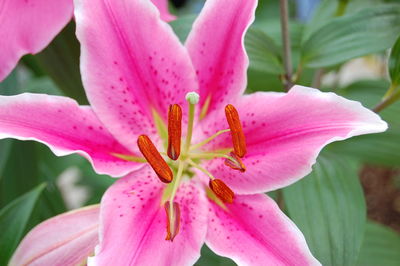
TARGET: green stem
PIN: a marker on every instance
(341, 9)
(319, 73)
(386, 102)
(287, 53)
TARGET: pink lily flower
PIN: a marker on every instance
(143, 86)
(28, 26)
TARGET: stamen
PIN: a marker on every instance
(204, 142)
(154, 158)
(173, 219)
(195, 165)
(235, 164)
(209, 156)
(174, 131)
(222, 190)
(130, 158)
(239, 142)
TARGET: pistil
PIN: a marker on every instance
(193, 99)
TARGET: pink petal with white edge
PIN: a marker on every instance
(65, 127)
(27, 27)
(216, 46)
(285, 133)
(131, 63)
(133, 223)
(66, 239)
(254, 231)
(162, 6)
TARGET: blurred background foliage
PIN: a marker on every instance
(348, 208)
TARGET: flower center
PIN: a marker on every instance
(181, 159)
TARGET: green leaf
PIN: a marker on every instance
(20, 173)
(9, 85)
(328, 206)
(42, 85)
(381, 246)
(264, 54)
(322, 14)
(182, 26)
(382, 148)
(60, 60)
(26, 168)
(5, 147)
(370, 30)
(369, 93)
(13, 220)
(394, 63)
(262, 81)
(209, 258)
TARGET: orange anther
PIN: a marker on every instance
(173, 223)
(235, 164)
(154, 158)
(239, 142)
(221, 190)
(174, 131)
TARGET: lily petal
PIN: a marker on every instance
(285, 133)
(216, 46)
(66, 239)
(65, 127)
(131, 63)
(162, 6)
(254, 231)
(133, 223)
(27, 27)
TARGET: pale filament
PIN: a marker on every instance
(205, 171)
(204, 142)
